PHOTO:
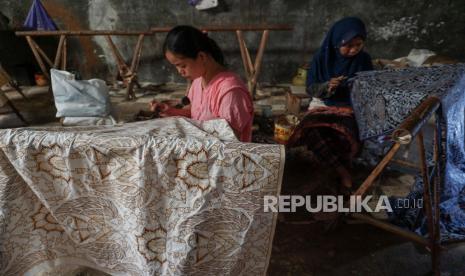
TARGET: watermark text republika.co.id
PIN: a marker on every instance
(331, 203)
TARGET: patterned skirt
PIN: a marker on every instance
(330, 133)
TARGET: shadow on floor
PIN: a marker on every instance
(311, 244)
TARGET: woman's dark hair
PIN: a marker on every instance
(189, 41)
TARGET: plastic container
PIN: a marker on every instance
(284, 127)
(40, 79)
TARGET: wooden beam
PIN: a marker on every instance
(391, 228)
(59, 54)
(406, 164)
(42, 53)
(243, 50)
(137, 53)
(258, 60)
(413, 123)
(38, 58)
(65, 54)
(232, 28)
(436, 250)
(378, 169)
(426, 184)
(82, 33)
(122, 67)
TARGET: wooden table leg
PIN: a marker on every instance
(426, 183)
(428, 205)
(127, 73)
(59, 52)
(15, 85)
(130, 94)
(64, 53)
(245, 55)
(122, 67)
(137, 53)
(42, 53)
(436, 250)
(37, 56)
(252, 70)
(5, 100)
(258, 60)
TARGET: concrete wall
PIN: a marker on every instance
(394, 28)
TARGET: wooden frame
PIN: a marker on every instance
(5, 78)
(404, 134)
(127, 73)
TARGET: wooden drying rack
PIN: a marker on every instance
(128, 72)
(410, 128)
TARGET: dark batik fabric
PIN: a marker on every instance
(383, 99)
(322, 147)
(330, 133)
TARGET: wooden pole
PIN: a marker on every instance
(378, 169)
(137, 53)
(413, 123)
(37, 56)
(426, 183)
(232, 28)
(428, 204)
(15, 85)
(258, 61)
(82, 33)
(243, 50)
(249, 60)
(120, 63)
(65, 53)
(59, 53)
(42, 53)
(436, 250)
(406, 164)
(122, 67)
(391, 228)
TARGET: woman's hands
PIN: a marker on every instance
(162, 109)
(167, 109)
(334, 83)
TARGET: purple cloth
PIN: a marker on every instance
(193, 2)
(38, 18)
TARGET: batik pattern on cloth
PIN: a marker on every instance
(330, 132)
(383, 99)
(161, 197)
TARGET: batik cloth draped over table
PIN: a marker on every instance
(383, 99)
(161, 197)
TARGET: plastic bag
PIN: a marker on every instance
(88, 121)
(86, 98)
(39, 19)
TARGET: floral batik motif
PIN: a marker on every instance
(383, 99)
(162, 197)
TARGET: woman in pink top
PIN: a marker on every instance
(215, 92)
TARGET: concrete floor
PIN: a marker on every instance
(304, 244)
(310, 244)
